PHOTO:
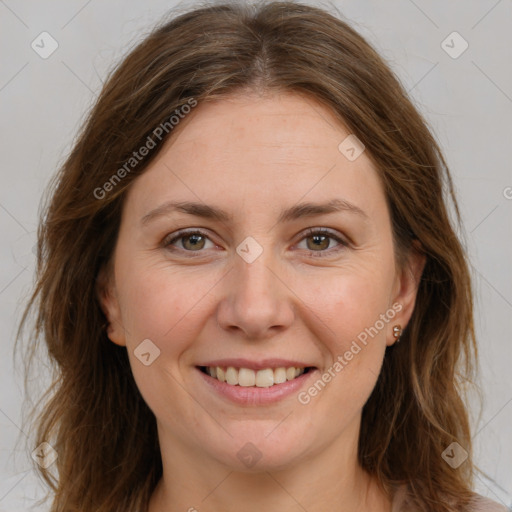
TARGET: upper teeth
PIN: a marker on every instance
(247, 377)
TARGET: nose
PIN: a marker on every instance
(257, 301)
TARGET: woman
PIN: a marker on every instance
(250, 285)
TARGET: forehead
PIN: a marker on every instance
(260, 150)
(285, 126)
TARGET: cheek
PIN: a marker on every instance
(160, 304)
(166, 306)
(358, 312)
(348, 302)
(358, 315)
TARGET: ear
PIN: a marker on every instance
(107, 297)
(406, 288)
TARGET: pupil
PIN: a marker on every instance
(194, 240)
(320, 239)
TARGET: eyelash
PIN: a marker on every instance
(168, 241)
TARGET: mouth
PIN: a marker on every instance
(254, 382)
(247, 377)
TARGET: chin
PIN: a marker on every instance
(266, 450)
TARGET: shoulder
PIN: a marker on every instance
(479, 503)
(482, 504)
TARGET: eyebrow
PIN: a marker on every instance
(295, 212)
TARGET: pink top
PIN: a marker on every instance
(481, 504)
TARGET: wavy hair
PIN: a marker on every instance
(93, 414)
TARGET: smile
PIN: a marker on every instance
(246, 377)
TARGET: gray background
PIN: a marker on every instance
(467, 101)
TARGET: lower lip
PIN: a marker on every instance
(253, 395)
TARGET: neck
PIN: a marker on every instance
(331, 480)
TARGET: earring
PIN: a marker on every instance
(397, 332)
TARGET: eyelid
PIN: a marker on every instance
(168, 239)
(343, 241)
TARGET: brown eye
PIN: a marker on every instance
(191, 241)
(318, 242)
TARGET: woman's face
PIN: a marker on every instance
(254, 289)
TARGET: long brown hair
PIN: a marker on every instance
(94, 416)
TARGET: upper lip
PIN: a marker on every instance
(256, 365)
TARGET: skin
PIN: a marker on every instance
(253, 156)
